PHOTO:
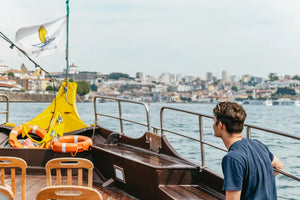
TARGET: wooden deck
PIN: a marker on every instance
(34, 183)
(185, 192)
(147, 175)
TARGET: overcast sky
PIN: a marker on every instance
(190, 37)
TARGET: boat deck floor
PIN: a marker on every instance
(34, 183)
(184, 192)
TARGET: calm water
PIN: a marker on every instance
(281, 118)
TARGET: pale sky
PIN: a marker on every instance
(190, 37)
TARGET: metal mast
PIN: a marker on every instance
(67, 41)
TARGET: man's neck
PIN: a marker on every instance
(229, 139)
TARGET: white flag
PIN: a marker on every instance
(43, 39)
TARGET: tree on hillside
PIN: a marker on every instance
(171, 89)
(286, 91)
(273, 77)
(94, 88)
(234, 88)
(10, 75)
(83, 88)
(50, 88)
(117, 75)
(296, 77)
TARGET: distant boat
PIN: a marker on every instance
(257, 102)
(268, 103)
(297, 103)
(283, 102)
(278, 102)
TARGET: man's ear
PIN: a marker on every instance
(221, 125)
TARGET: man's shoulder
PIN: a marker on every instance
(250, 143)
(257, 143)
(233, 156)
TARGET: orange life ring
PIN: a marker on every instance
(15, 132)
(71, 144)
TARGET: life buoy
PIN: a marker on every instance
(71, 144)
(15, 132)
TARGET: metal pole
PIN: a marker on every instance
(201, 141)
(161, 121)
(95, 111)
(7, 108)
(120, 116)
(67, 41)
(248, 131)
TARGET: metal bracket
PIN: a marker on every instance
(109, 182)
(154, 140)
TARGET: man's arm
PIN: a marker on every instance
(276, 163)
(233, 195)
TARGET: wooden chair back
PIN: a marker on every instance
(69, 164)
(13, 163)
(6, 194)
(67, 192)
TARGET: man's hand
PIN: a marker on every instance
(276, 163)
(28, 142)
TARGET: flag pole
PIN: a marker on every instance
(67, 42)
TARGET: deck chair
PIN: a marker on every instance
(67, 192)
(69, 164)
(13, 163)
(6, 194)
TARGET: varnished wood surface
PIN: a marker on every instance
(6, 193)
(182, 192)
(68, 192)
(34, 183)
(12, 163)
(145, 157)
(68, 164)
(139, 164)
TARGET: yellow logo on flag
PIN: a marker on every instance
(42, 34)
(45, 40)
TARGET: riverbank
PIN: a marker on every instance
(26, 97)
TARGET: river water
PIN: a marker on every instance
(282, 118)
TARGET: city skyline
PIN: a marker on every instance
(209, 76)
(187, 37)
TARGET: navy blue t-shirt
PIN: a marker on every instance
(248, 167)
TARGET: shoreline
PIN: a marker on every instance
(30, 98)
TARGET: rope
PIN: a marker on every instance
(76, 96)
(12, 45)
(37, 65)
(66, 93)
(75, 153)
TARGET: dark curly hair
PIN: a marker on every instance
(232, 115)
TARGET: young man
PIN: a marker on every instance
(248, 165)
